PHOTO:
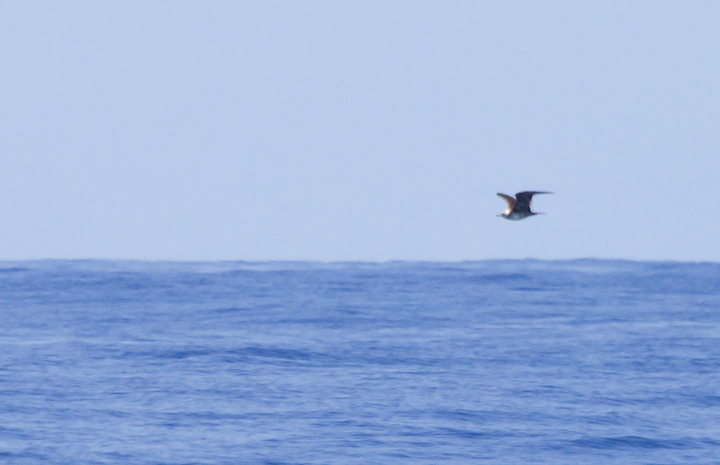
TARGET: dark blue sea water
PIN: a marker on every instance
(503, 362)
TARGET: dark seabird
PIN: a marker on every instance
(519, 207)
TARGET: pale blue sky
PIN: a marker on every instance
(358, 130)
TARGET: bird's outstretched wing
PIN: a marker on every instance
(524, 199)
(510, 201)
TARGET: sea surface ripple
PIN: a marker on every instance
(506, 362)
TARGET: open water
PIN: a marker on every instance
(503, 362)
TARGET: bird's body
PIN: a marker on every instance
(519, 207)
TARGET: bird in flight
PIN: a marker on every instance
(519, 207)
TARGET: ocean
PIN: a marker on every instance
(502, 362)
